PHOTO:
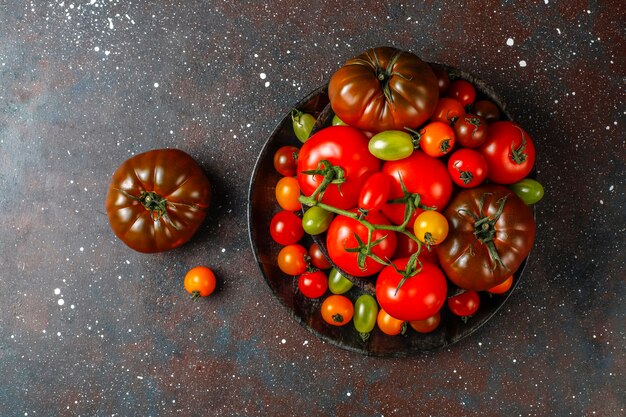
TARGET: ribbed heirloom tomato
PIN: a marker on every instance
(384, 89)
(491, 233)
(157, 200)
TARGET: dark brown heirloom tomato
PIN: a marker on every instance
(384, 89)
(491, 233)
(157, 200)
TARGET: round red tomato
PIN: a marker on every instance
(448, 110)
(421, 174)
(464, 304)
(285, 160)
(318, 259)
(384, 89)
(375, 192)
(420, 296)
(313, 284)
(462, 91)
(286, 228)
(470, 131)
(337, 310)
(467, 168)
(436, 139)
(157, 200)
(491, 233)
(340, 239)
(509, 152)
(344, 147)
(428, 325)
(486, 109)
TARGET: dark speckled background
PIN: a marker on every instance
(91, 328)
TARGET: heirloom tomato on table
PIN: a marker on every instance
(157, 200)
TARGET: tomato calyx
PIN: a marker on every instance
(517, 154)
(364, 251)
(384, 75)
(195, 295)
(333, 174)
(337, 318)
(485, 228)
(416, 136)
(465, 176)
(412, 268)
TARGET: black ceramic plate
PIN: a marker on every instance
(262, 206)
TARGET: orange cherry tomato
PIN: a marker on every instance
(292, 259)
(200, 281)
(337, 310)
(428, 325)
(437, 139)
(503, 287)
(431, 227)
(389, 325)
(287, 193)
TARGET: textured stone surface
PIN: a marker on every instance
(89, 327)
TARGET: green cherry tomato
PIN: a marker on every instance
(302, 124)
(529, 190)
(337, 283)
(338, 122)
(391, 145)
(316, 220)
(365, 314)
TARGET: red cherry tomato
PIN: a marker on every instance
(467, 168)
(448, 110)
(318, 259)
(285, 160)
(292, 260)
(462, 91)
(200, 281)
(470, 131)
(375, 192)
(443, 81)
(286, 228)
(436, 139)
(509, 152)
(464, 304)
(313, 284)
(487, 110)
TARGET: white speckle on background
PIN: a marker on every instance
(611, 188)
(72, 306)
(156, 85)
(558, 31)
(263, 75)
(283, 341)
(61, 301)
(601, 202)
(546, 1)
(81, 249)
(58, 333)
(57, 291)
(139, 377)
(223, 250)
(110, 23)
(510, 41)
(522, 63)
(267, 83)
(97, 48)
(107, 52)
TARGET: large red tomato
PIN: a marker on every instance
(157, 200)
(420, 296)
(509, 152)
(384, 89)
(420, 174)
(341, 236)
(342, 146)
(479, 234)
